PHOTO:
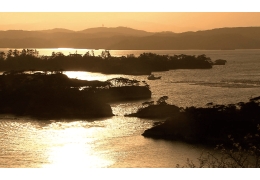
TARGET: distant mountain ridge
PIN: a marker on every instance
(120, 30)
(132, 39)
(57, 30)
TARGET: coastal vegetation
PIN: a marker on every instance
(233, 129)
(29, 59)
(54, 95)
(50, 94)
(160, 109)
(210, 125)
(236, 156)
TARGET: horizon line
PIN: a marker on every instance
(128, 28)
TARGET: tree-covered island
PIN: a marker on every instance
(209, 125)
(144, 64)
(54, 95)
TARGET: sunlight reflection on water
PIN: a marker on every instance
(83, 75)
(117, 141)
(186, 87)
(74, 150)
(66, 144)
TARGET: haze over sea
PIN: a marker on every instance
(117, 141)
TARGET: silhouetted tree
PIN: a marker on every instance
(161, 100)
(24, 53)
(2, 56)
(87, 54)
(16, 53)
(9, 54)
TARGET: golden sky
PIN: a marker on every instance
(148, 21)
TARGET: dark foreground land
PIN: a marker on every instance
(209, 125)
(144, 64)
(51, 96)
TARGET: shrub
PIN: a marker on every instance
(240, 156)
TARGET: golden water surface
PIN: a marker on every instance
(117, 141)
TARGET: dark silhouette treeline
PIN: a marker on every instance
(54, 95)
(209, 125)
(144, 64)
(159, 110)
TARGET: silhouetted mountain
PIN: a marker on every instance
(28, 43)
(117, 30)
(19, 34)
(128, 38)
(59, 30)
(250, 32)
(221, 41)
(165, 33)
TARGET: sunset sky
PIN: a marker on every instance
(148, 21)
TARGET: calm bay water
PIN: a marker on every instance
(117, 141)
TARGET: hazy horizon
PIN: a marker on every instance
(148, 21)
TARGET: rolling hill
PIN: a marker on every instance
(132, 39)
